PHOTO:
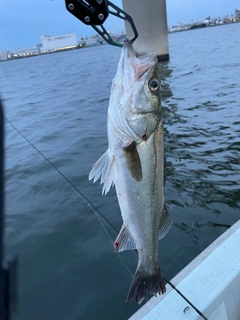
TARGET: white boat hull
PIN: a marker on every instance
(211, 282)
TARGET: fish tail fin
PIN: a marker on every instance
(144, 284)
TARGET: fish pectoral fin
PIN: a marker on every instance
(104, 167)
(124, 241)
(133, 161)
(165, 222)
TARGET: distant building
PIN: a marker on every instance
(39, 46)
(60, 42)
(237, 14)
(27, 51)
(3, 55)
(91, 42)
(174, 29)
(207, 20)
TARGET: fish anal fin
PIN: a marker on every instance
(104, 168)
(133, 161)
(124, 241)
(165, 222)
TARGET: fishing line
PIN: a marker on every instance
(99, 216)
(179, 292)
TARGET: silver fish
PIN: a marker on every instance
(134, 162)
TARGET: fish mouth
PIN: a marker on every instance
(139, 65)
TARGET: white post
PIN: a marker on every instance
(150, 18)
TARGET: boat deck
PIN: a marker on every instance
(211, 282)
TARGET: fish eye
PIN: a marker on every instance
(153, 84)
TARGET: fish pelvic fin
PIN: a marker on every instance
(104, 168)
(165, 222)
(145, 284)
(124, 241)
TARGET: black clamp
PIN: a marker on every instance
(95, 12)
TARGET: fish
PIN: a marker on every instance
(134, 163)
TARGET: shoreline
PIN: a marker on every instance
(85, 47)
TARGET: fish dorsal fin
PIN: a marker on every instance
(124, 241)
(133, 161)
(104, 167)
(165, 223)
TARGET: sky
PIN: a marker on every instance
(22, 22)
